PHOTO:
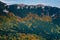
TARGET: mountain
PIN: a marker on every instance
(3, 6)
(29, 22)
(47, 10)
(22, 10)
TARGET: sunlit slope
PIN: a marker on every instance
(30, 24)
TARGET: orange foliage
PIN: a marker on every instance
(31, 16)
(47, 18)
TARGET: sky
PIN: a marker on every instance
(54, 3)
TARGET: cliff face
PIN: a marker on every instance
(29, 22)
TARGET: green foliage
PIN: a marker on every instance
(11, 28)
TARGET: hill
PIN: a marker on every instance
(29, 23)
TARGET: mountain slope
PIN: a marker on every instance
(53, 12)
(29, 23)
(12, 24)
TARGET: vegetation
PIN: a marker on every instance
(35, 23)
(31, 27)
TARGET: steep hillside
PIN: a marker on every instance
(22, 10)
(31, 24)
(34, 22)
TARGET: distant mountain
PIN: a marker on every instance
(47, 10)
(20, 9)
